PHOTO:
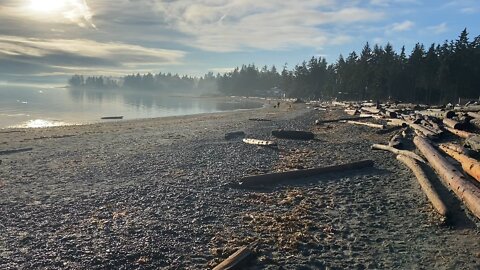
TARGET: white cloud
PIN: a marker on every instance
(438, 29)
(225, 25)
(401, 27)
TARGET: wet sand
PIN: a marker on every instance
(158, 193)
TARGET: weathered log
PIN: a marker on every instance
(235, 134)
(352, 112)
(293, 134)
(419, 128)
(397, 122)
(259, 119)
(453, 124)
(388, 130)
(389, 113)
(376, 116)
(13, 151)
(373, 110)
(235, 260)
(319, 122)
(460, 133)
(474, 108)
(425, 184)
(457, 148)
(473, 114)
(438, 114)
(469, 165)
(272, 178)
(475, 122)
(398, 152)
(473, 142)
(365, 124)
(259, 142)
(466, 191)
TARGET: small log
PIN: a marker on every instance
(438, 114)
(389, 113)
(259, 142)
(272, 178)
(453, 124)
(111, 117)
(319, 122)
(469, 165)
(473, 142)
(366, 124)
(466, 191)
(259, 119)
(352, 112)
(13, 151)
(293, 134)
(397, 122)
(397, 151)
(235, 134)
(376, 116)
(373, 110)
(235, 260)
(460, 133)
(425, 184)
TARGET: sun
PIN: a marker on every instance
(47, 6)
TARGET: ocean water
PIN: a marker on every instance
(31, 107)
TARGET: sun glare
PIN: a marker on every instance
(47, 6)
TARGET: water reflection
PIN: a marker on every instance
(42, 107)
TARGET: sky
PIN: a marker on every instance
(47, 41)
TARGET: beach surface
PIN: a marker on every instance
(162, 194)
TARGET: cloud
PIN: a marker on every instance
(438, 29)
(402, 27)
(33, 55)
(227, 26)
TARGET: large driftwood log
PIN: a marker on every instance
(259, 142)
(272, 178)
(475, 122)
(373, 110)
(365, 124)
(473, 114)
(425, 184)
(466, 191)
(398, 152)
(235, 260)
(293, 134)
(351, 111)
(457, 148)
(469, 165)
(421, 129)
(453, 124)
(397, 122)
(460, 133)
(438, 113)
(319, 122)
(474, 108)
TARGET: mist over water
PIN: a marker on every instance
(43, 107)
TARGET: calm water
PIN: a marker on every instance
(41, 107)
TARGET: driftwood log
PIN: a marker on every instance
(13, 151)
(457, 148)
(469, 165)
(398, 152)
(473, 142)
(460, 133)
(396, 141)
(425, 184)
(466, 191)
(273, 178)
(259, 142)
(319, 122)
(236, 260)
(293, 134)
(453, 124)
(475, 122)
(438, 113)
(473, 114)
(365, 124)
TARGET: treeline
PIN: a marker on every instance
(438, 74)
(157, 82)
(441, 73)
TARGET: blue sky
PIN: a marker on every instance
(47, 41)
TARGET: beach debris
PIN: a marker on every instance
(235, 260)
(274, 178)
(474, 114)
(397, 139)
(425, 184)
(259, 142)
(398, 152)
(457, 148)
(466, 191)
(453, 124)
(469, 165)
(111, 117)
(259, 119)
(293, 134)
(234, 135)
(13, 151)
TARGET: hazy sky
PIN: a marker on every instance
(48, 40)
